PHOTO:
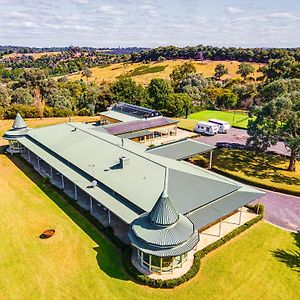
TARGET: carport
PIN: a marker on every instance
(183, 149)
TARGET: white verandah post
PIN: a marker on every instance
(220, 225)
(240, 215)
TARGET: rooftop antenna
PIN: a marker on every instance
(165, 192)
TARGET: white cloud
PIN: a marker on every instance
(109, 10)
(283, 15)
(234, 10)
(80, 1)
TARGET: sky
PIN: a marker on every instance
(150, 23)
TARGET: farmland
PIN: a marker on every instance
(110, 73)
(34, 55)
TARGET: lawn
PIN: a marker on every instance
(79, 263)
(110, 73)
(238, 119)
(257, 168)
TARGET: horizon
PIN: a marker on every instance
(150, 23)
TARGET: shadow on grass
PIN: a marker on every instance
(253, 164)
(290, 257)
(108, 256)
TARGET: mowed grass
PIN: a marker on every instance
(79, 263)
(265, 169)
(238, 119)
(110, 73)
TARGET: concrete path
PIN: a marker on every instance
(281, 209)
(239, 136)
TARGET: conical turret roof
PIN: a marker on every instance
(163, 212)
(19, 123)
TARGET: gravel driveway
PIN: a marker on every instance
(281, 209)
(239, 136)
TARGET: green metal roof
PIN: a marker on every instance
(141, 182)
(118, 116)
(164, 251)
(164, 213)
(19, 123)
(181, 149)
(209, 213)
(106, 197)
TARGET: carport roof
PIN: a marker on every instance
(181, 149)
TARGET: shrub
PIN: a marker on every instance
(84, 112)
(64, 112)
(25, 110)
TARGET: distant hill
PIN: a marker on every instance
(145, 72)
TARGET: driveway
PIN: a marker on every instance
(239, 136)
(281, 209)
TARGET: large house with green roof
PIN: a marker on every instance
(156, 203)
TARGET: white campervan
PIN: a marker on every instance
(223, 126)
(206, 128)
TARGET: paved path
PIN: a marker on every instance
(239, 136)
(281, 209)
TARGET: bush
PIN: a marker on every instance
(171, 283)
(25, 110)
(84, 112)
(64, 112)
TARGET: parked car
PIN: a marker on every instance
(223, 125)
(206, 128)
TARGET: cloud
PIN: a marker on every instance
(109, 10)
(234, 10)
(284, 15)
(81, 2)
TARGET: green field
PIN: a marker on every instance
(79, 263)
(238, 119)
(262, 169)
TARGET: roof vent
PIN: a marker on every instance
(123, 161)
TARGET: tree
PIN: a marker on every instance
(277, 120)
(59, 98)
(180, 73)
(22, 96)
(5, 97)
(87, 73)
(227, 100)
(245, 69)
(220, 70)
(279, 87)
(158, 90)
(124, 89)
(177, 105)
(39, 102)
(279, 68)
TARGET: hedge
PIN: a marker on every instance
(171, 283)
